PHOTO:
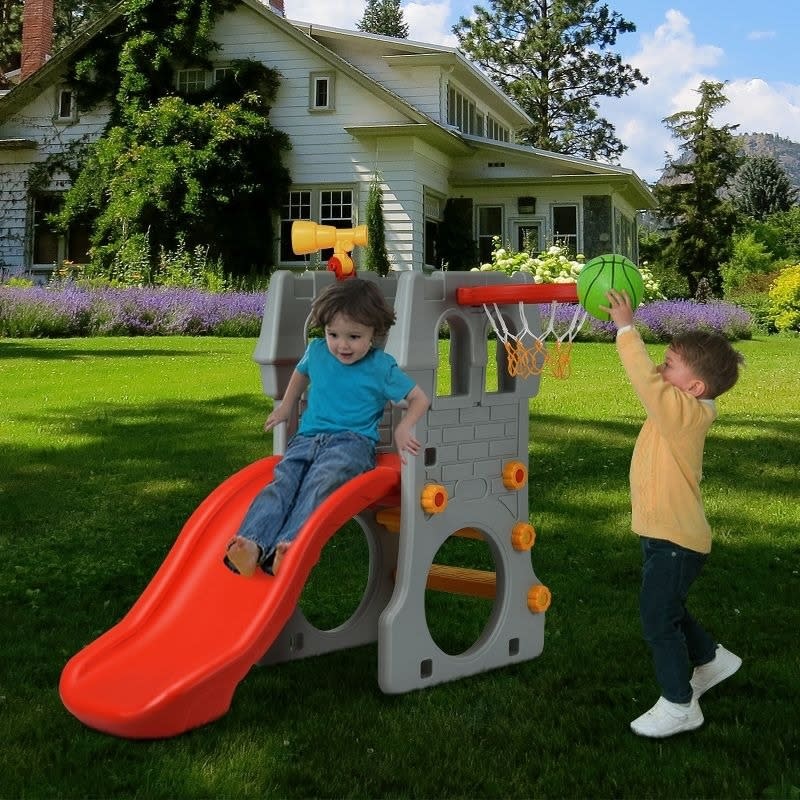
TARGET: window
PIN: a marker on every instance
(51, 247)
(321, 91)
(462, 113)
(490, 224)
(529, 238)
(326, 206)
(67, 108)
(191, 80)
(565, 227)
(220, 73)
(496, 131)
(433, 217)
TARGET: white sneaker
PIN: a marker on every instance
(723, 666)
(666, 718)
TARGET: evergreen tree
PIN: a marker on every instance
(762, 187)
(553, 58)
(376, 257)
(699, 220)
(384, 17)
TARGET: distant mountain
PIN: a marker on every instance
(784, 151)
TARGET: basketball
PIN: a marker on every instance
(610, 271)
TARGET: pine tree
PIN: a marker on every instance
(553, 58)
(376, 258)
(384, 17)
(762, 187)
(699, 220)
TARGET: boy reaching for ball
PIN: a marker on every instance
(667, 510)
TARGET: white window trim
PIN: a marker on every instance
(316, 191)
(73, 105)
(313, 79)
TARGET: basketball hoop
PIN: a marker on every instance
(527, 353)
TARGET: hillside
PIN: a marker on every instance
(784, 151)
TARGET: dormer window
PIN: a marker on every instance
(321, 91)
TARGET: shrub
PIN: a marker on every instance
(75, 311)
(749, 257)
(554, 266)
(109, 311)
(784, 297)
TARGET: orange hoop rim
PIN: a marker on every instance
(518, 293)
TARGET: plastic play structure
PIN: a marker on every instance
(174, 661)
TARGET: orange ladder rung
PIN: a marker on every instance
(462, 580)
(390, 519)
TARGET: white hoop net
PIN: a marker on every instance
(527, 353)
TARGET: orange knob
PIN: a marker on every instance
(539, 598)
(523, 536)
(515, 475)
(433, 499)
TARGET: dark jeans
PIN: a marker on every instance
(675, 638)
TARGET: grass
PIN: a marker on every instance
(109, 444)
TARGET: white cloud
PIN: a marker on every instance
(333, 13)
(676, 65)
(429, 23)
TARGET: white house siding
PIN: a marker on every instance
(323, 153)
(35, 122)
(407, 167)
(417, 85)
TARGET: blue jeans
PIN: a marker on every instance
(311, 469)
(675, 638)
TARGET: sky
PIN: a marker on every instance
(750, 46)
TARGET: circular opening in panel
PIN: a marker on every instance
(459, 600)
(337, 583)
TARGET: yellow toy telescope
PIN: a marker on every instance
(307, 237)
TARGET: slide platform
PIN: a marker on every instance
(174, 661)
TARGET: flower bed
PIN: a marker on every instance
(71, 311)
(57, 312)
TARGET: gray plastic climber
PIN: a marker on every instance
(470, 480)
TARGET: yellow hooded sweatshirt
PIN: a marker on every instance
(667, 461)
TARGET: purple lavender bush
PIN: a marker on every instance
(42, 312)
(71, 311)
(660, 320)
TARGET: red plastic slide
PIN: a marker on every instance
(173, 662)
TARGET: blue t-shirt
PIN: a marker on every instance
(349, 397)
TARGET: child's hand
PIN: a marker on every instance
(405, 441)
(619, 308)
(278, 415)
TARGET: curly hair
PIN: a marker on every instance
(711, 358)
(357, 299)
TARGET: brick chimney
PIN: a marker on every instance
(37, 35)
(277, 7)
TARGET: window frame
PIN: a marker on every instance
(311, 203)
(481, 236)
(315, 79)
(570, 240)
(66, 93)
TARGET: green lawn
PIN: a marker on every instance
(109, 444)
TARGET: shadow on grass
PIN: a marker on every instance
(10, 348)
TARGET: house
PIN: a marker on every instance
(437, 133)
